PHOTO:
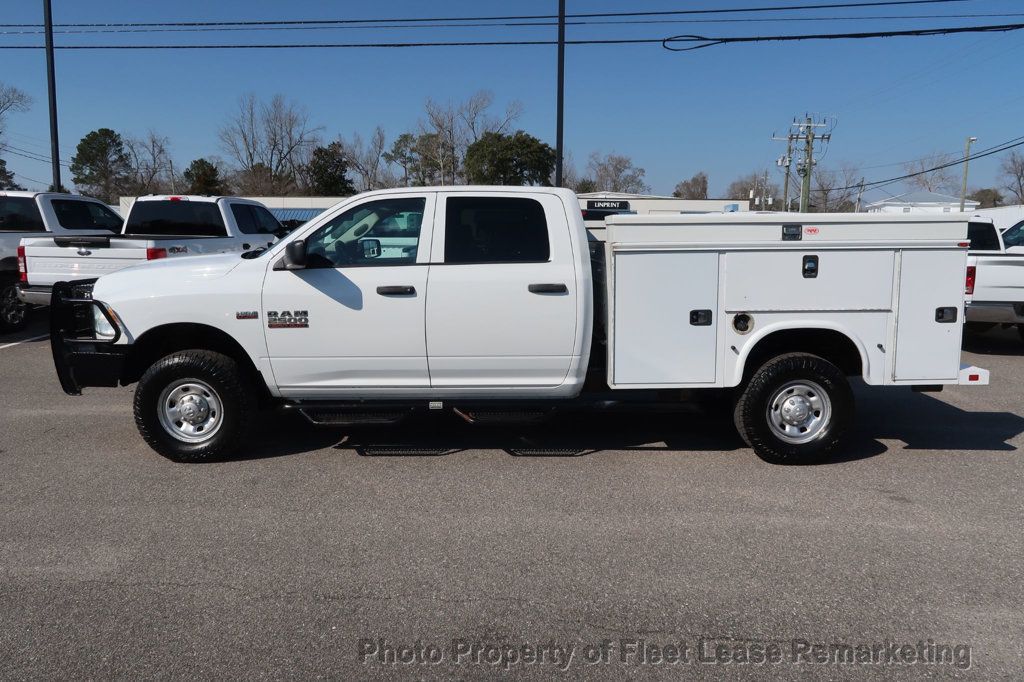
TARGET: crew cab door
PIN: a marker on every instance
(501, 303)
(353, 319)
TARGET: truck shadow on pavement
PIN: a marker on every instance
(920, 421)
(994, 342)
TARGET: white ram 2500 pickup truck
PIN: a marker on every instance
(156, 227)
(491, 300)
(31, 214)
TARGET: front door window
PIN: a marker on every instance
(385, 232)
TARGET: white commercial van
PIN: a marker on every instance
(494, 300)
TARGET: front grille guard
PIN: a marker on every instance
(71, 328)
(71, 320)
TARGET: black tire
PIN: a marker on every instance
(788, 378)
(1020, 331)
(13, 313)
(230, 401)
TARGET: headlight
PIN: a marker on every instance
(101, 325)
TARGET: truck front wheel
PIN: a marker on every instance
(794, 409)
(13, 313)
(194, 406)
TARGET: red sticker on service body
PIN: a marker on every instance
(810, 230)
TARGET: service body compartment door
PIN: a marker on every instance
(826, 279)
(665, 318)
(927, 349)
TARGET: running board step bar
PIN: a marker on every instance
(339, 415)
(506, 416)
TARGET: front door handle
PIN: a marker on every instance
(397, 291)
(548, 289)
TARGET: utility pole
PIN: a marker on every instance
(51, 87)
(759, 195)
(559, 138)
(967, 160)
(806, 134)
(785, 163)
(860, 193)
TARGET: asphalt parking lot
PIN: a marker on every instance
(661, 529)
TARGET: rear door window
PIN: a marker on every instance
(20, 214)
(85, 215)
(177, 218)
(495, 230)
(1014, 236)
(244, 219)
(265, 220)
(254, 219)
(983, 237)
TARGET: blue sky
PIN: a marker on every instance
(675, 114)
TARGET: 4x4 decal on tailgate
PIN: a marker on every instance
(287, 319)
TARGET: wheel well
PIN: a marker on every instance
(829, 344)
(166, 339)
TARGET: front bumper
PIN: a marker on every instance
(34, 295)
(79, 358)
(995, 311)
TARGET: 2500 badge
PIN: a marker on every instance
(287, 319)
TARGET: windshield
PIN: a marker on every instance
(1014, 236)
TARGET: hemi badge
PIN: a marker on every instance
(246, 315)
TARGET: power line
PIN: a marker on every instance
(588, 15)
(25, 177)
(506, 24)
(1010, 144)
(27, 154)
(668, 43)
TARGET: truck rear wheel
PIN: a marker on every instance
(13, 313)
(795, 409)
(194, 406)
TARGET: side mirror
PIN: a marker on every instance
(371, 247)
(295, 255)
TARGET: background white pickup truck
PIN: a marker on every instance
(491, 300)
(995, 278)
(156, 227)
(28, 214)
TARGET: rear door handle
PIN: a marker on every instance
(397, 291)
(548, 289)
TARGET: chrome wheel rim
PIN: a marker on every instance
(190, 411)
(11, 309)
(799, 412)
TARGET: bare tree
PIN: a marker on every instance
(694, 188)
(834, 191)
(269, 141)
(368, 160)
(616, 173)
(475, 120)
(12, 100)
(928, 176)
(1012, 174)
(449, 143)
(451, 128)
(151, 164)
(753, 185)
